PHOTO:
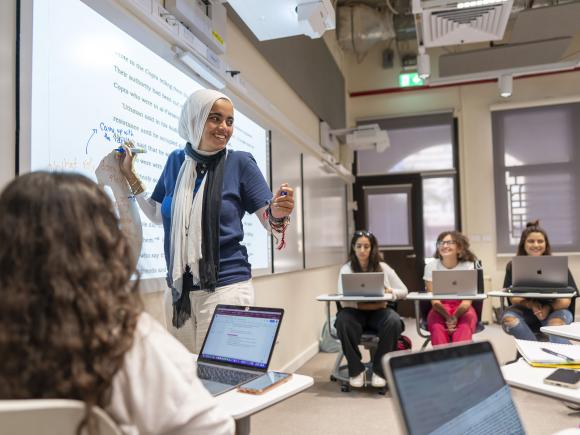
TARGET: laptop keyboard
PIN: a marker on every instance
(224, 375)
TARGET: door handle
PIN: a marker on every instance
(411, 256)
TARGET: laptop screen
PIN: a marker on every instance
(454, 390)
(242, 336)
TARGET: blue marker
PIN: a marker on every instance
(283, 193)
(133, 150)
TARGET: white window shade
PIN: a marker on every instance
(536, 174)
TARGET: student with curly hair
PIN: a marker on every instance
(72, 324)
(526, 316)
(450, 320)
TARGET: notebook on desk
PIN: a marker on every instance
(455, 282)
(238, 346)
(363, 284)
(546, 354)
(451, 390)
(545, 274)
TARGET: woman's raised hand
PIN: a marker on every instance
(283, 202)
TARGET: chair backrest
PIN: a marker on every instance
(49, 417)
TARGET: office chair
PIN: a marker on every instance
(50, 417)
(369, 340)
(425, 306)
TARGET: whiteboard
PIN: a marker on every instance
(93, 85)
(286, 168)
(325, 215)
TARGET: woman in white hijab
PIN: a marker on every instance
(201, 197)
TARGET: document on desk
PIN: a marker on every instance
(545, 354)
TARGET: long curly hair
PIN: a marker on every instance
(533, 227)
(375, 256)
(462, 242)
(68, 310)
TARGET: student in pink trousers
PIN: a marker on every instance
(450, 320)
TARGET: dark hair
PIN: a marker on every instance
(68, 310)
(533, 227)
(462, 241)
(375, 256)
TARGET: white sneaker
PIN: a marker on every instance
(357, 381)
(377, 381)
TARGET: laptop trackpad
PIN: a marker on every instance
(216, 388)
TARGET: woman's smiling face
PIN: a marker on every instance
(219, 126)
(535, 244)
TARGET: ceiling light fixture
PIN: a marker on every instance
(505, 83)
(423, 64)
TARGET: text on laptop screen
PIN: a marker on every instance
(455, 396)
(241, 336)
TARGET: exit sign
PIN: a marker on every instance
(407, 80)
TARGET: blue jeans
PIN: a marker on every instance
(527, 323)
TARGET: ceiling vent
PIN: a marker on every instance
(442, 22)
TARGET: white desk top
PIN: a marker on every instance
(522, 375)
(339, 298)
(241, 405)
(416, 296)
(571, 331)
(506, 294)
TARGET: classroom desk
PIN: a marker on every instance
(428, 296)
(571, 331)
(242, 406)
(503, 295)
(522, 375)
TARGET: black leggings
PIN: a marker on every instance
(350, 325)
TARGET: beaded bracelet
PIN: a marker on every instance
(136, 186)
(278, 225)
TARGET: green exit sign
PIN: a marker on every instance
(407, 80)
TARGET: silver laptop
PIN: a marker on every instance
(452, 390)
(545, 274)
(455, 282)
(363, 284)
(238, 346)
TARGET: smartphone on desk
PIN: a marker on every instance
(263, 383)
(564, 378)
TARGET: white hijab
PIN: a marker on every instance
(185, 242)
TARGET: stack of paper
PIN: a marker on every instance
(545, 354)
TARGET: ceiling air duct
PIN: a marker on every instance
(359, 27)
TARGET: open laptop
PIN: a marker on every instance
(455, 282)
(238, 346)
(545, 274)
(452, 390)
(363, 284)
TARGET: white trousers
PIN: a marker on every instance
(203, 304)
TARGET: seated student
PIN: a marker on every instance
(526, 316)
(356, 317)
(450, 320)
(72, 324)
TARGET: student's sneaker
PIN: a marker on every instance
(377, 381)
(357, 381)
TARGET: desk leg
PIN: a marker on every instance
(243, 426)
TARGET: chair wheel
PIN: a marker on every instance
(383, 391)
(345, 388)
(332, 378)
